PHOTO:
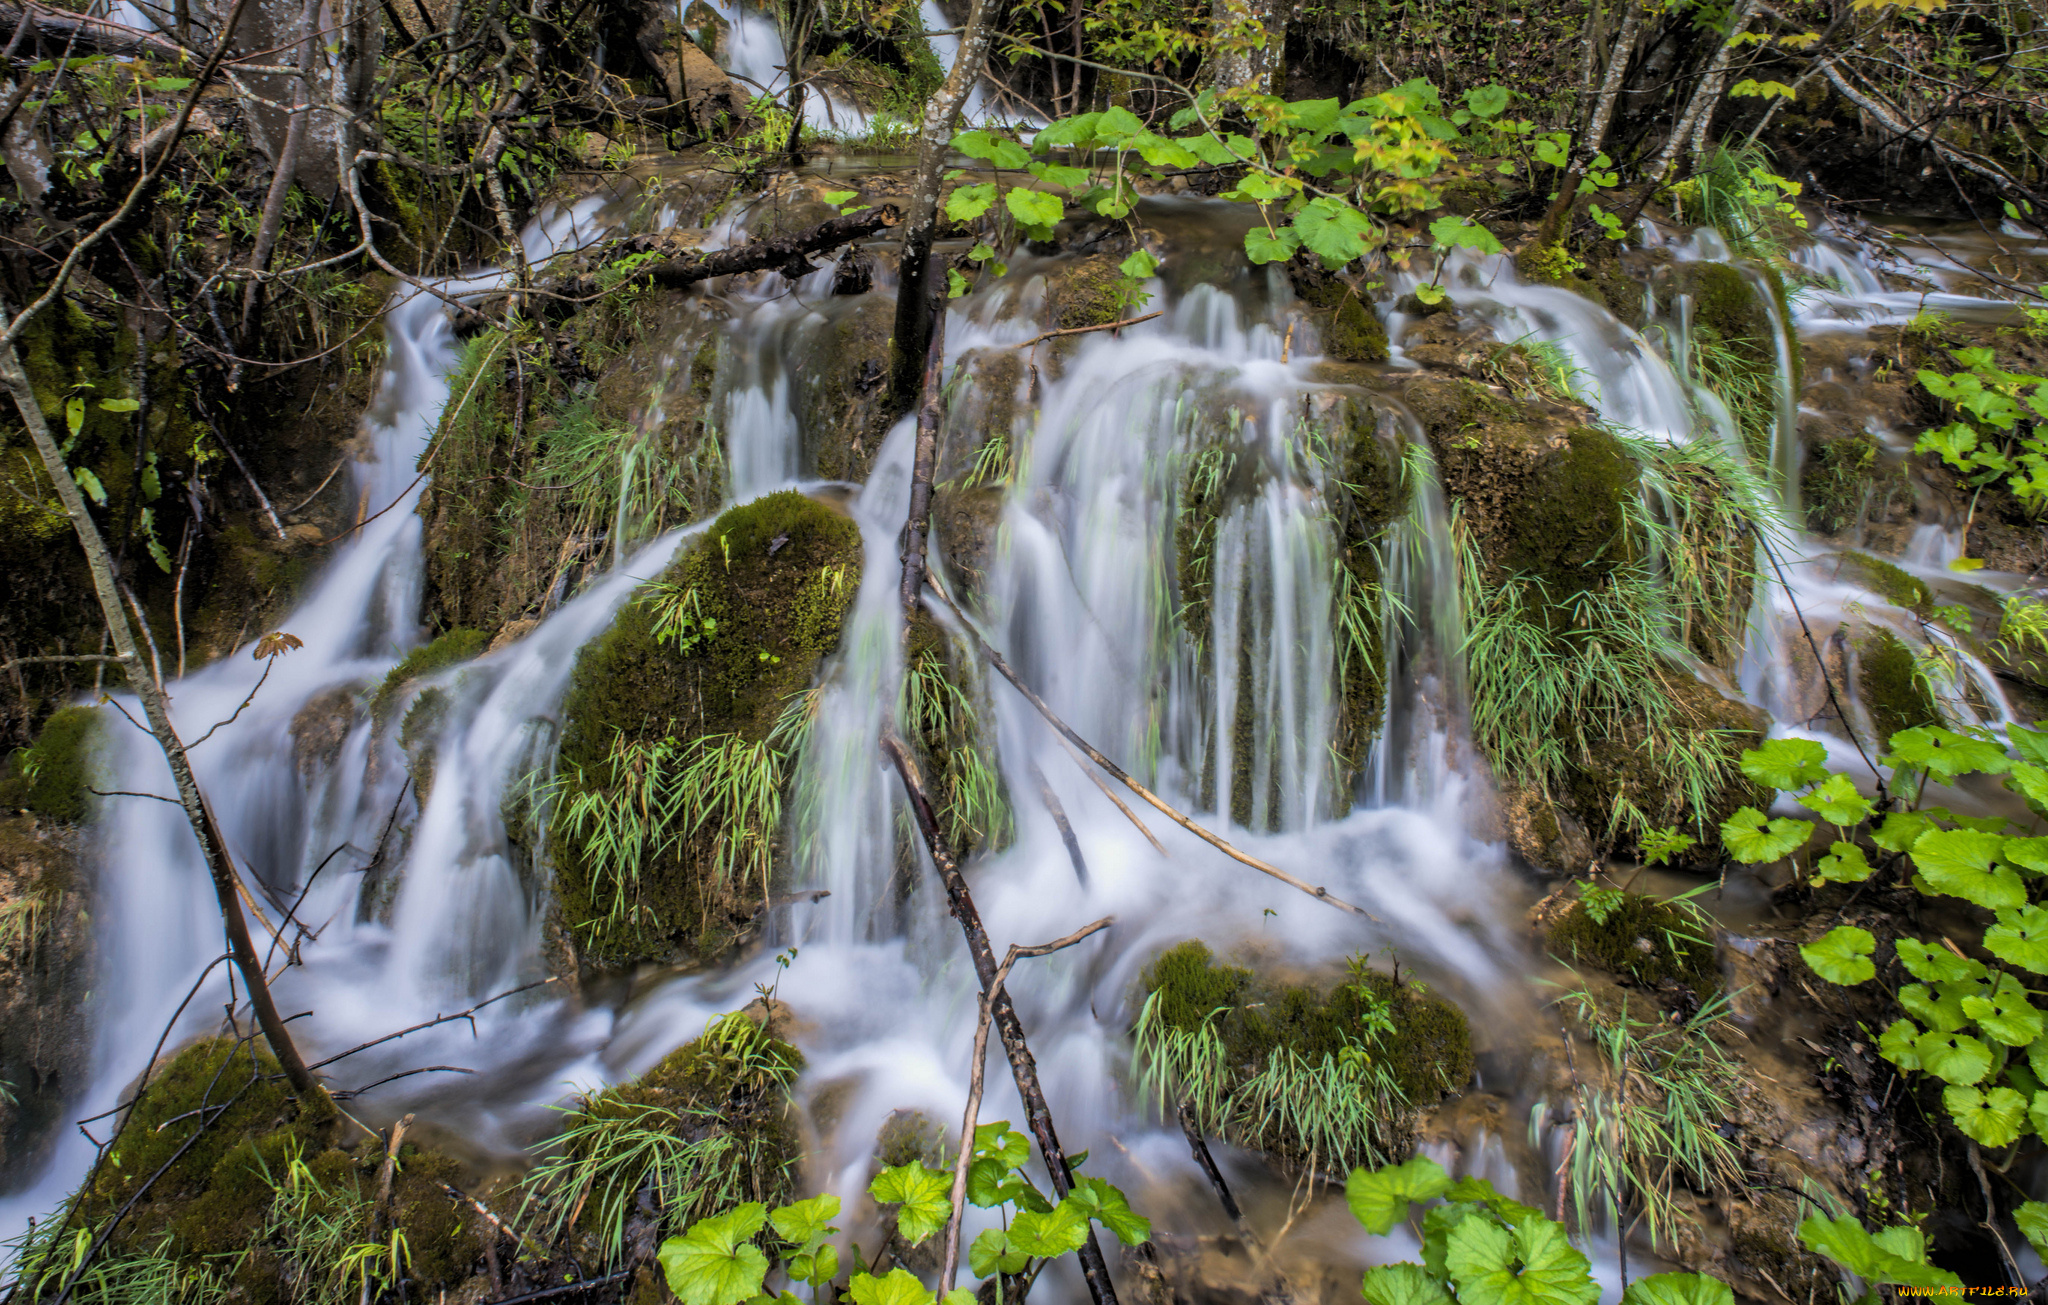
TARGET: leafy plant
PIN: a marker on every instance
(2001, 429)
(1968, 1023)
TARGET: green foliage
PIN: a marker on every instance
(1740, 194)
(1892, 1257)
(1964, 1018)
(967, 786)
(1656, 1126)
(2000, 431)
(445, 650)
(1480, 1248)
(620, 482)
(1643, 938)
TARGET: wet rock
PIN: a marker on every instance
(321, 727)
(1090, 291)
(46, 962)
(839, 382)
(1547, 838)
(712, 103)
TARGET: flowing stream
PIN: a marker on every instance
(414, 909)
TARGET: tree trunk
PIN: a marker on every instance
(1701, 107)
(918, 525)
(920, 223)
(281, 180)
(156, 708)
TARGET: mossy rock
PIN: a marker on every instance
(1844, 472)
(220, 1196)
(838, 365)
(1544, 495)
(1897, 587)
(1085, 292)
(1349, 329)
(777, 577)
(1642, 939)
(1428, 1054)
(458, 645)
(1366, 494)
(61, 760)
(1597, 276)
(732, 1083)
(1888, 687)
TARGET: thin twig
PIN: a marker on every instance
(1084, 330)
(438, 1019)
(995, 659)
(1059, 818)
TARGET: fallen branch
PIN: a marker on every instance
(1094, 1269)
(917, 527)
(80, 657)
(101, 34)
(1084, 330)
(1191, 1129)
(789, 255)
(951, 1264)
(995, 659)
(1095, 777)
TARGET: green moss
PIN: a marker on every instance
(1350, 330)
(1085, 292)
(1880, 577)
(1429, 1051)
(53, 776)
(218, 1202)
(457, 645)
(1643, 939)
(1890, 691)
(731, 1082)
(778, 576)
(417, 734)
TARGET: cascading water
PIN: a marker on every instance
(437, 895)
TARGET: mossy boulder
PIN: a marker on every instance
(1598, 275)
(722, 1101)
(1087, 291)
(53, 777)
(1343, 318)
(1889, 686)
(1426, 1054)
(1639, 938)
(1544, 495)
(46, 980)
(1895, 586)
(771, 583)
(1846, 472)
(838, 361)
(221, 1200)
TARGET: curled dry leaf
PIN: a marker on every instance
(276, 644)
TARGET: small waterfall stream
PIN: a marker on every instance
(436, 900)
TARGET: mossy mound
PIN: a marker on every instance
(1544, 496)
(772, 581)
(222, 1199)
(458, 645)
(1429, 1051)
(1349, 329)
(1888, 687)
(1898, 587)
(1079, 292)
(1641, 939)
(53, 777)
(1597, 276)
(725, 1096)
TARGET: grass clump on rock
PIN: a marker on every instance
(457, 645)
(680, 721)
(53, 776)
(1327, 1075)
(1644, 940)
(708, 1127)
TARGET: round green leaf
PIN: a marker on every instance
(1954, 1058)
(1262, 246)
(924, 1197)
(2020, 938)
(1993, 1118)
(2005, 1013)
(901, 1287)
(1379, 1198)
(1842, 955)
(1532, 1265)
(1836, 801)
(1844, 864)
(714, 1262)
(1963, 863)
(1751, 837)
(1678, 1289)
(2032, 1218)
(1786, 763)
(1936, 964)
(1402, 1284)
(1900, 1045)
(1945, 754)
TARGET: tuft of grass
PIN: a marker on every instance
(1654, 1125)
(939, 712)
(620, 481)
(1736, 193)
(1749, 391)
